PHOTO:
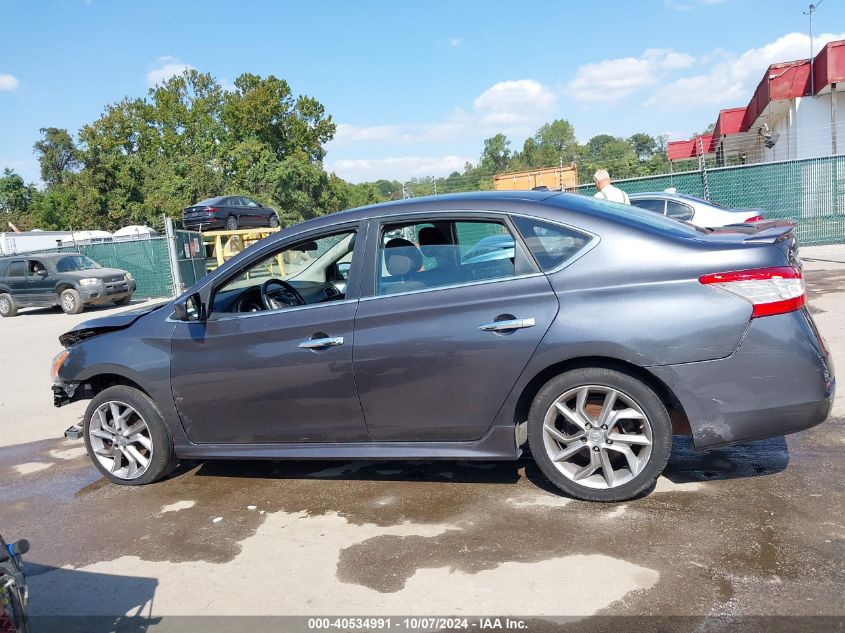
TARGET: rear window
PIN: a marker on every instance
(551, 244)
(17, 269)
(208, 201)
(630, 214)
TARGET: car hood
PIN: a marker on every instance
(109, 323)
(97, 273)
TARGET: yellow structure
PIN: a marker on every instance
(565, 177)
(221, 246)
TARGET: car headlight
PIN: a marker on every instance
(57, 364)
(129, 277)
(91, 281)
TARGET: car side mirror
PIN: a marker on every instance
(42, 273)
(343, 270)
(189, 309)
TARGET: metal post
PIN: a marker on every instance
(178, 286)
(702, 165)
(833, 118)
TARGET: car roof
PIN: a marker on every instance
(667, 195)
(38, 255)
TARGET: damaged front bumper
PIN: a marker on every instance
(67, 392)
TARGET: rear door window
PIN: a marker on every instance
(652, 204)
(17, 269)
(550, 244)
(443, 253)
(678, 210)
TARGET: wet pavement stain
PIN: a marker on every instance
(713, 548)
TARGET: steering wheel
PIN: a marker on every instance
(284, 296)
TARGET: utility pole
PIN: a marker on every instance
(809, 12)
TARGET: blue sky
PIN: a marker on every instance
(413, 86)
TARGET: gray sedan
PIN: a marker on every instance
(694, 210)
(592, 332)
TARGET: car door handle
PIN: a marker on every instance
(318, 343)
(510, 324)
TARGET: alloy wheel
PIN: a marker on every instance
(68, 302)
(597, 436)
(120, 439)
(5, 306)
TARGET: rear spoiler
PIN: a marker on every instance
(764, 231)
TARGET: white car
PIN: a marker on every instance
(694, 210)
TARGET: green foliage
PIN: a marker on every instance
(188, 140)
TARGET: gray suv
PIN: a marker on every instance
(69, 280)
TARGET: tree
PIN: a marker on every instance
(57, 155)
(496, 154)
(643, 144)
(15, 198)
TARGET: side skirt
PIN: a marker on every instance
(498, 444)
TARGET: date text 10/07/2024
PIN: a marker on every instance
(417, 623)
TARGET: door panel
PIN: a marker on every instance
(41, 290)
(424, 369)
(245, 379)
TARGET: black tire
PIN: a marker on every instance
(274, 221)
(231, 223)
(163, 461)
(124, 302)
(8, 306)
(71, 301)
(640, 393)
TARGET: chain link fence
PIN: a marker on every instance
(147, 260)
(811, 192)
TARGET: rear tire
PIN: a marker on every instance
(231, 223)
(588, 420)
(8, 307)
(71, 301)
(127, 438)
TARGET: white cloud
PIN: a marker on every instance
(513, 107)
(514, 104)
(612, 79)
(166, 67)
(397, 167)
(346, 133)
(8, 82)
(732, 79)
(671, 4)
(455, 41)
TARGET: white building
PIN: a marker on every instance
(795, 113)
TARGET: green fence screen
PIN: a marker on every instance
(811, 192)
(147, 260)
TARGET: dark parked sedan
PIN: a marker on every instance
(228, 212)
(603, 330)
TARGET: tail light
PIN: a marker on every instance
(770, 290)
(210, 210)
(755, 218)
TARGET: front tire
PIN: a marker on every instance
(8, 307)
(274, 221)
(71, 301)
(127, 438)
(599, 434)
(123, 302)
(231, 223)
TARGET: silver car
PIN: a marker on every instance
(694, 210)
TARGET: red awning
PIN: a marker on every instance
(829, 65)
(729, 122)
(684, 150)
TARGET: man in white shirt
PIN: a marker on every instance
(606, 191)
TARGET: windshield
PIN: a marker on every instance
(76, 262)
